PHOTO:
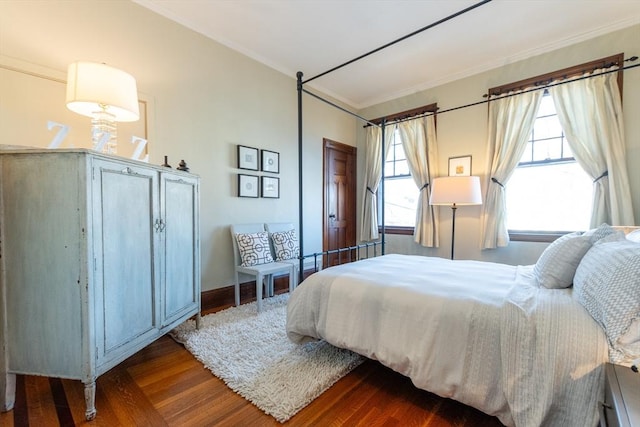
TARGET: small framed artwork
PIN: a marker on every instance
(247, 185)
(247, 158)
(270, 187)
(270, 161)
(460, 166)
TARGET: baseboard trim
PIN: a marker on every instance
(220, 298)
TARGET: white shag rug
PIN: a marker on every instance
(251, 353)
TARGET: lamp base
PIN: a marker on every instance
(104, 132)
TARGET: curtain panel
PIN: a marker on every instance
(372, 175)
(421, 148)
(590, 112)
(511, 119)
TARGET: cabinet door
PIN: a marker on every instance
(180, 293)
(125, 207)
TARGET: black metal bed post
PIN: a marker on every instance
(383, 124)
(300, 201)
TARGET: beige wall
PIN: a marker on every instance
(203, 99)
(464, 131)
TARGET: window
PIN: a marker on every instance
(400, 192)
(548, 191)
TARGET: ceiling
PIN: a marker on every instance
(314, 36)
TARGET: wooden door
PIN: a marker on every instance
(339, 223)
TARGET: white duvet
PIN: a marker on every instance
(481, 333)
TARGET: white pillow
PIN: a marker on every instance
(607, 284)
(557, 265)
(634, 236)
(254, 248)
(285, 245)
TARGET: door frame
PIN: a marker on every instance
(327, 145)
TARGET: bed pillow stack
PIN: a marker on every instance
(254, 248)
(556, 267)
(607, 284)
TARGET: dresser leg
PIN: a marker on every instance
(90, 400)
(7, 391)
(198, 320)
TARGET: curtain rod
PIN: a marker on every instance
(570, 72)
(485, 101)
(400, 39)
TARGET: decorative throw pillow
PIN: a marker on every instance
(603, 230)
(607, 284)
(557, 265)
(285, 245)
(254, 248)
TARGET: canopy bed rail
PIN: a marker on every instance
(380, 122)
(438, 321)
(384, 121)
(351, 253)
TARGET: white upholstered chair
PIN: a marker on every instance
(264, 267)
(287, 250)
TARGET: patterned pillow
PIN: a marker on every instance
(254, 248)
(557, 265)
(607, 284)
(285, 245)
(603, 230)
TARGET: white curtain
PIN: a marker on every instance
(590, 111)
(511, 119)
(421, 148)
(372, 175)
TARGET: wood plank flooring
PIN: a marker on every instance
(164, 385)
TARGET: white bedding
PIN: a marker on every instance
(481, 333)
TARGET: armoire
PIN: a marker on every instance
(99, 257)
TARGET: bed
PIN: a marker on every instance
(488, 335)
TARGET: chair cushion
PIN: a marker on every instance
(285, 245)
(254, 248)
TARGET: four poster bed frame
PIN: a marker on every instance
(466, 330)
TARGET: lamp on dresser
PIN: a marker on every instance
(455, 191)
(107, 95)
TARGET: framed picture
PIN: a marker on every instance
(270, 187)
(247, 158)
(460, 166)
(247, 185)
(270, 161)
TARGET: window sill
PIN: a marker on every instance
(514, 235)
(389, 229)
(535, 236)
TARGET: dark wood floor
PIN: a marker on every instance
(164, 385)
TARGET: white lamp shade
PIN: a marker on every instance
(92, 87)
(458, 190)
